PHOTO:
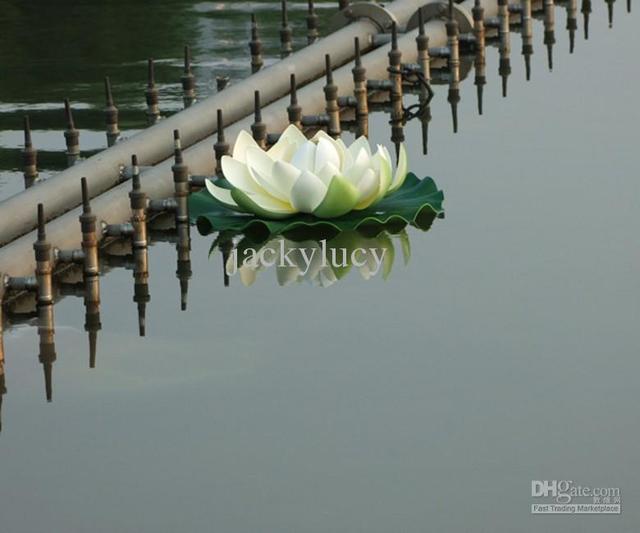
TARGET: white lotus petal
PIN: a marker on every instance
(283, 176)
(269, 186)
(238, 175)
(260, 167)
(337, 144)
(358, 144)
(291, 135)
(259, 160)
(368, 188)
(220, 194)
(307, 192)
(382, 161)
(243, 141)
(401, 170)
(363, 158)
(361, 164)
(282, 151)
(346, 159)
(305, 156)
(269, 203)
(327, 173)
(384, 152)
(326, 152)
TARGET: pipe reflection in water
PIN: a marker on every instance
(255, 46)
(313, 22)
(286, 33)
(585, 9)
(572, 23)
(549, 29)
(479, 62)
(527, 35)
(141, 296)
(453, 43)
(183, 272)
(152, 95)
(92, 324)
(504, 68)
(47, 356)
(188, 80)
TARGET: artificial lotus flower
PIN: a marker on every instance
(321, 176)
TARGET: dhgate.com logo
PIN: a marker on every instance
(566, 497)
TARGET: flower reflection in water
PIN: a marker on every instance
(315, 257)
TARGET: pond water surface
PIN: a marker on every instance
(505, 350)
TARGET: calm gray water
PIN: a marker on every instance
(505, 351)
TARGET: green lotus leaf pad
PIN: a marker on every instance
(416, 199)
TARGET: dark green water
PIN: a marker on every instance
(505, 351)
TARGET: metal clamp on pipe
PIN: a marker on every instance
(376, 13)
(117, 230)
(440, 11)
(68, 256)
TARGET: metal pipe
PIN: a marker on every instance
(195, 123)
(181, 187)
(258, 128)
(331, 98)
(110, 114)
(71, 135)
(113, 205)
(221, 147)
(138, 204)
(44, 263)
(395, 76)
(294, 111)
(29, 157)
(88, 226)
(360, 92)
(188, 80)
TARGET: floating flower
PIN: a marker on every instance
(321, 176)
